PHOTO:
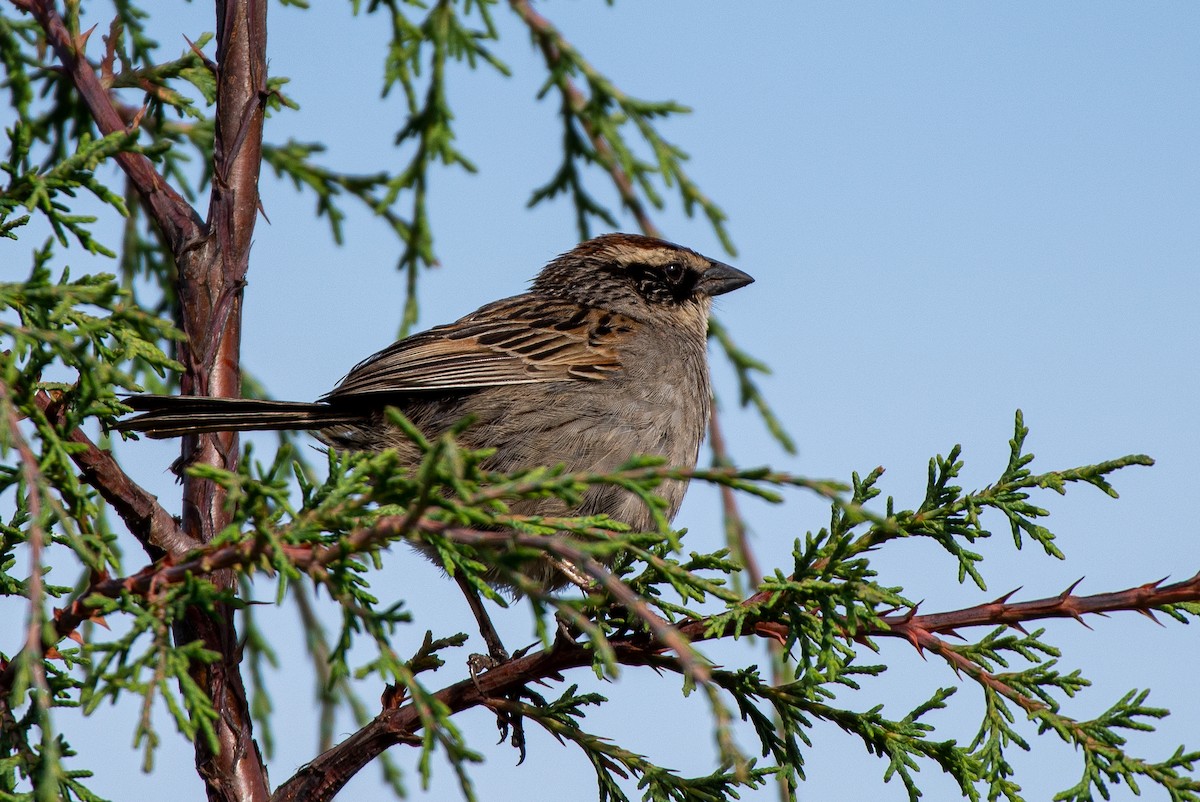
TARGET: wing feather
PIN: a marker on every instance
(520, 340)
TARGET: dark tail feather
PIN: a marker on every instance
(166, 416)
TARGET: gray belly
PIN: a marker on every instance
(596, 429)
(587, 427)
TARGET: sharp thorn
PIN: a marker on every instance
(1157, 582)
(1070, 589)
(1150, 614)
(1003, 599)
(82, 40)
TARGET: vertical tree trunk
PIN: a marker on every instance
(212, 274)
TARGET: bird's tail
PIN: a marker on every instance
(166, 416)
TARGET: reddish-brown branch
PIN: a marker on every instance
(1068, 728)
(320, 779)
(312, 558)
(154, 527)
(1144, 599)
(1141, 599)
(174, 215)
(211, 278)
(926, 641)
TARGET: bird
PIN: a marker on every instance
(603, 358)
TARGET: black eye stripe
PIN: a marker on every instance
(669, 283)
(671, 272)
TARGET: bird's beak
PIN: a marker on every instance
(720, 278)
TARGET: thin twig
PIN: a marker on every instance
(666, 635)
(34, 650)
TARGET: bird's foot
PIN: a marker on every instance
(573, 575)
(480, 663)
(512, 727)
(509, 722)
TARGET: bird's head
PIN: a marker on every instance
(642, 277)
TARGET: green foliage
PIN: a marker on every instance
(749, 392)
(87, 335)
(831, 606)
(595, 123)
(70, 345)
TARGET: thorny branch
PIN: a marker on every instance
(322, 778)
(215, 275)
(1141, 599)
(399, 723)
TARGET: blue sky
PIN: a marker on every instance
(952, 211)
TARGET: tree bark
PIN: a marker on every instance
(212, 275)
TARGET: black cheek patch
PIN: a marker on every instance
(652, 284)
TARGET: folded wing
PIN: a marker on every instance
(521, 340)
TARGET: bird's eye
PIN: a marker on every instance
(673, 272)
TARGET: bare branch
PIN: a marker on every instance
(1143, 599)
